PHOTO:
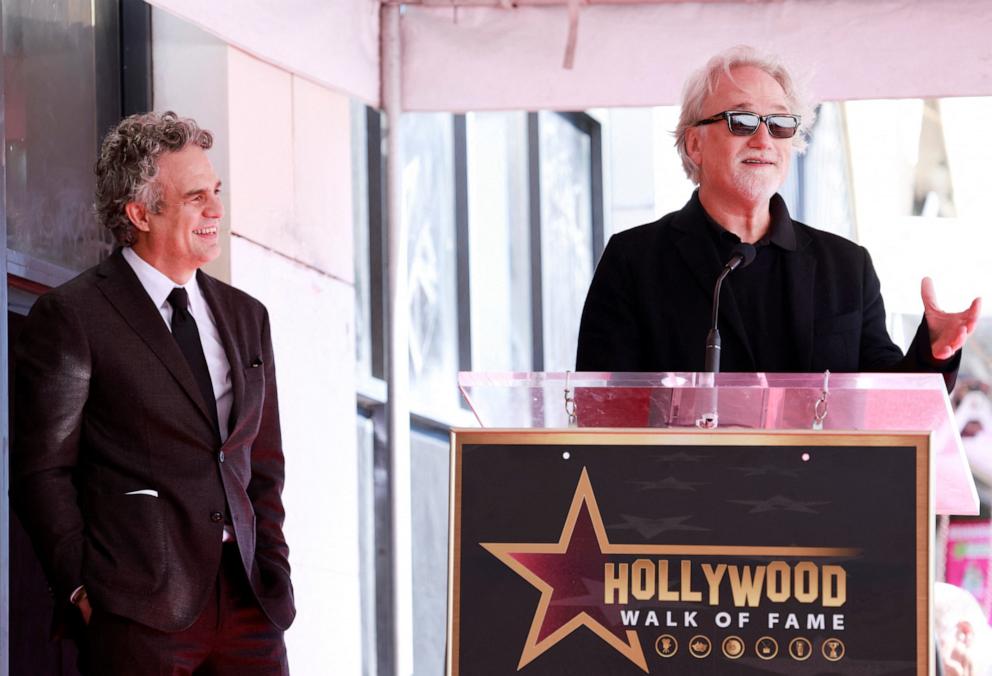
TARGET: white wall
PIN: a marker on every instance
(884, 142)
(643, 175)
(189, 77)
(283, 153)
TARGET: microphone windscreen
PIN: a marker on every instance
(746, 251)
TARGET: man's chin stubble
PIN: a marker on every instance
(754, 186)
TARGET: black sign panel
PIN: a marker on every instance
(604, 552)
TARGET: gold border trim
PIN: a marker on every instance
(924, 508)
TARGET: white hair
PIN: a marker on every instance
(702, 83)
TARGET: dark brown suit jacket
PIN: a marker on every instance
(107, 405)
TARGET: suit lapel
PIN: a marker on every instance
(702, 259)
(222, 315)
(124, 291)
(800, 275)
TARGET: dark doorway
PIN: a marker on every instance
(32, 651)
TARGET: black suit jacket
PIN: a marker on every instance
(107, 405)
(649, 305)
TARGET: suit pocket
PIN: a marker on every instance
(125, 543)
(254, 389)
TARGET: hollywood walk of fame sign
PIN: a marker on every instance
(632, 552)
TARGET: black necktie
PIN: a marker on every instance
(188, 337)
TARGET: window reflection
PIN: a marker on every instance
(59, 99)
(428, 211)
(360, 215)
(501, 300)
(826, 175)
(499, 242)
(566, 236)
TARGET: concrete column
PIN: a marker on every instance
(283, 153)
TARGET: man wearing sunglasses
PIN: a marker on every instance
(809, 301)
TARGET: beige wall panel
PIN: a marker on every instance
(321, 232)
(261, 140)
(313, 337)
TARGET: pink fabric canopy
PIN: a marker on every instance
(638, 54)
(334, 43)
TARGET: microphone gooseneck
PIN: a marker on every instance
(740, 257)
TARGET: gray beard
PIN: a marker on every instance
(755, 185)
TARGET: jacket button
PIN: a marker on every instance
(216, 517)
(220, 456)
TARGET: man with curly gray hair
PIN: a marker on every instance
(809, 301)
(128, 165)
(148, 466)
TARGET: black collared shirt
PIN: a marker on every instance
(759, 290)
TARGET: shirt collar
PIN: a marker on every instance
(158, 286)
(781, 230)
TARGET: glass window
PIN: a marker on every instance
(360, 224)
(566, 235)
(499, 242)
(428, 210)
(62, 92)
(933, 191)
(429, 472)
(826, 179)
(367, 539)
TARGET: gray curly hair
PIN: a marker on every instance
(128, 165)
(703, 82)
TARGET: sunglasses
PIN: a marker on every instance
(744, 123)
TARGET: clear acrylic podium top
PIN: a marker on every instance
(840, 402)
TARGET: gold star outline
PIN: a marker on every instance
(533, 648)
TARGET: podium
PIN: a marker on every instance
(687, 523)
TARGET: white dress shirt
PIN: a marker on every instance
(158, 287)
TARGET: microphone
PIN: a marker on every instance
(740, 257)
